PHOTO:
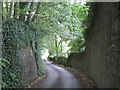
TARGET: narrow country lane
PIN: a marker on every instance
(57, 78)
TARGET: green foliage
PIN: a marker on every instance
(16, 35)
(60, 60)
(67, 21)
(12, 43)
(4, 63)
(43, 71)
(77, 45)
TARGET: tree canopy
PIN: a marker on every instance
(61, 25)
(62, 22)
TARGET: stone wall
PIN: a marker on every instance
(100, 60)
(28, 65)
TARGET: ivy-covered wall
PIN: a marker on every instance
(19, 49)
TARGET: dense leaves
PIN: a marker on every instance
(62, 23)
(64, 20)
(7, 84)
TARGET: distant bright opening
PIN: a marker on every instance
(45, 54)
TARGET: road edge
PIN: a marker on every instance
(38, 80)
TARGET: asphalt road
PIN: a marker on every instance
(57, 78)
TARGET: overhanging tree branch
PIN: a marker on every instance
(34, 17)
(30, 11)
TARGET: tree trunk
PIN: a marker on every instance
(29, 16)
(37, 50)
(15, 10)
(61, 46)
(7, 10)
(22, 6)
(34, 17)
(10, 10)
(2, 12)
(56, 45)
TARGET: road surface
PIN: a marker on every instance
(57, 78)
